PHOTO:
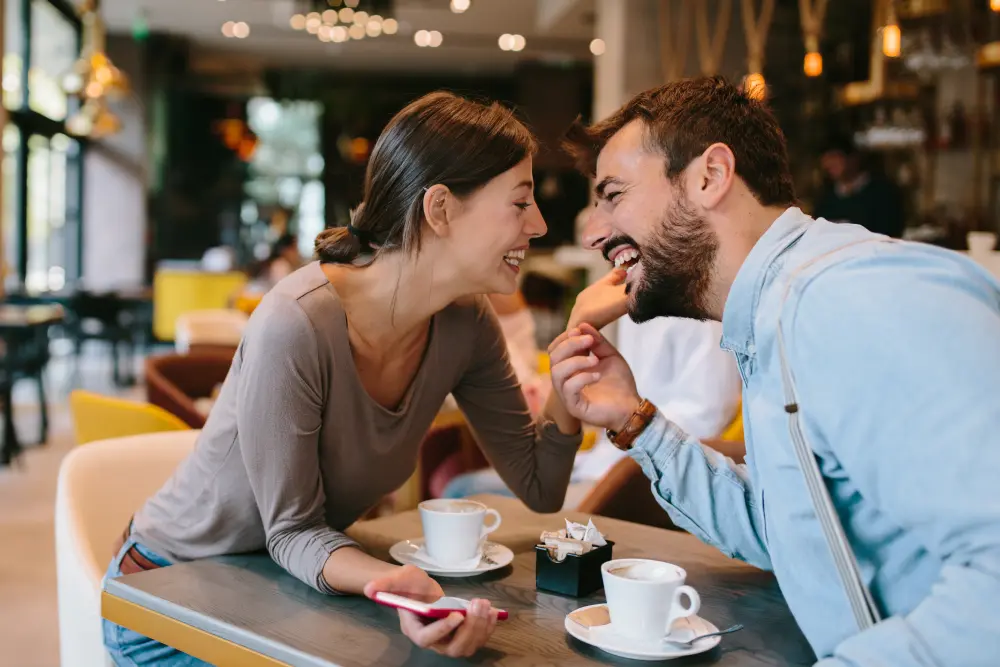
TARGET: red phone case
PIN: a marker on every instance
(422, 608)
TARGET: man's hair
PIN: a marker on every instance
(683, 118)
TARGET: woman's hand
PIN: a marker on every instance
(456, 636)
(601, 303)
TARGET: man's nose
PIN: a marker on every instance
(597, 230)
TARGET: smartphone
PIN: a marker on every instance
(441, 608)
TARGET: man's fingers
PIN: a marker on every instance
(574, 386)
(571, 347)
(570, 367)
(600, 347)
(562, 337)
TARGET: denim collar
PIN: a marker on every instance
(744, 295)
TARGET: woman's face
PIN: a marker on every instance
(491, 229)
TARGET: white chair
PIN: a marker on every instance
(100, 485)
(209, 328)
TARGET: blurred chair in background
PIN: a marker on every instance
(97, 417)
(210, 330)
(99, 487)
(185, 385)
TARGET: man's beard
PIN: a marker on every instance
(676, 268)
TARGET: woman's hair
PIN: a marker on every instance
(438, 139)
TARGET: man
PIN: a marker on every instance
(894, 352)
(859, 194)
(680, 367)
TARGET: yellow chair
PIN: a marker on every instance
(97, 417)
(734, 432)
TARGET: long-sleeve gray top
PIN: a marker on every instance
(295, 450)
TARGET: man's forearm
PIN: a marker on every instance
(717, 504)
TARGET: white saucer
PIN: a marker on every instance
(411, 552)
(604, 638)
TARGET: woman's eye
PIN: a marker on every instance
(522, 204)
(612, 196)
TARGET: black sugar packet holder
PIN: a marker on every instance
(574, 576)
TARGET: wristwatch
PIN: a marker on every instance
(635, 425)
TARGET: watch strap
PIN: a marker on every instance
(624, 439)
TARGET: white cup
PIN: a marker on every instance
(644, 597)
(455, 530)
(981, 243)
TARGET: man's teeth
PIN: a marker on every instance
(629, 270)
(514, 257)
(626, 256)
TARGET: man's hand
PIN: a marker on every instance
(601, 303)
(455, 636)
(592, 378)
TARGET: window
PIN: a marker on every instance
(48, 166)
(42, 165)
(53, 52)
(13, 59)
(11, 236)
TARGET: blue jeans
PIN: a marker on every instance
(129, 648)
(473, 483)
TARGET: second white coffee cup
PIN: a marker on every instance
(455, 530)
(644, 597)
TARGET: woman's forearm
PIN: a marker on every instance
(348, 569)
(556, 412)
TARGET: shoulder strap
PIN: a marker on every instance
(862, 605)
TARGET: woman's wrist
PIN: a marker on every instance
(348, 569)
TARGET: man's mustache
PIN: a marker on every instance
(615, 241)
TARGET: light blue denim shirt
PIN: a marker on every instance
(895, 351)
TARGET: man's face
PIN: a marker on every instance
(834, 163)
(646, 223)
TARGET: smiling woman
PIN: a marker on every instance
(346, 362)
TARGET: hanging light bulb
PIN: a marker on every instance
(813, 63)
(754, 86)
(95, 79)
(891, 37)
(995, 5)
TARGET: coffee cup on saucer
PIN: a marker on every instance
(644, 597)
(455, 530)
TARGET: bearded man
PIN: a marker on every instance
(871, 382)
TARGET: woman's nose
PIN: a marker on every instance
(535, 225)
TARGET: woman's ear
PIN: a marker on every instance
(436, 209)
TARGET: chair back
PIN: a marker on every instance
(215, 328)
(175, 382)
(99, 488)
(97, 417)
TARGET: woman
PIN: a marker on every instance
(344, 365)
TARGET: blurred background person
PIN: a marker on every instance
(859, 193)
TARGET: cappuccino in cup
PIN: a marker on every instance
(644, 597)
(455, 530)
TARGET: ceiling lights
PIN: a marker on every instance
(341, 21)
(511, 42)
(459, 6)
(429, 38)
(238, 29)
(597, 47)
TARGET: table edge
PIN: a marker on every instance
(158, 619)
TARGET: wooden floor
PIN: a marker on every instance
(29, 635)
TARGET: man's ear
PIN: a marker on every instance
(714, 175)
(436, 208)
